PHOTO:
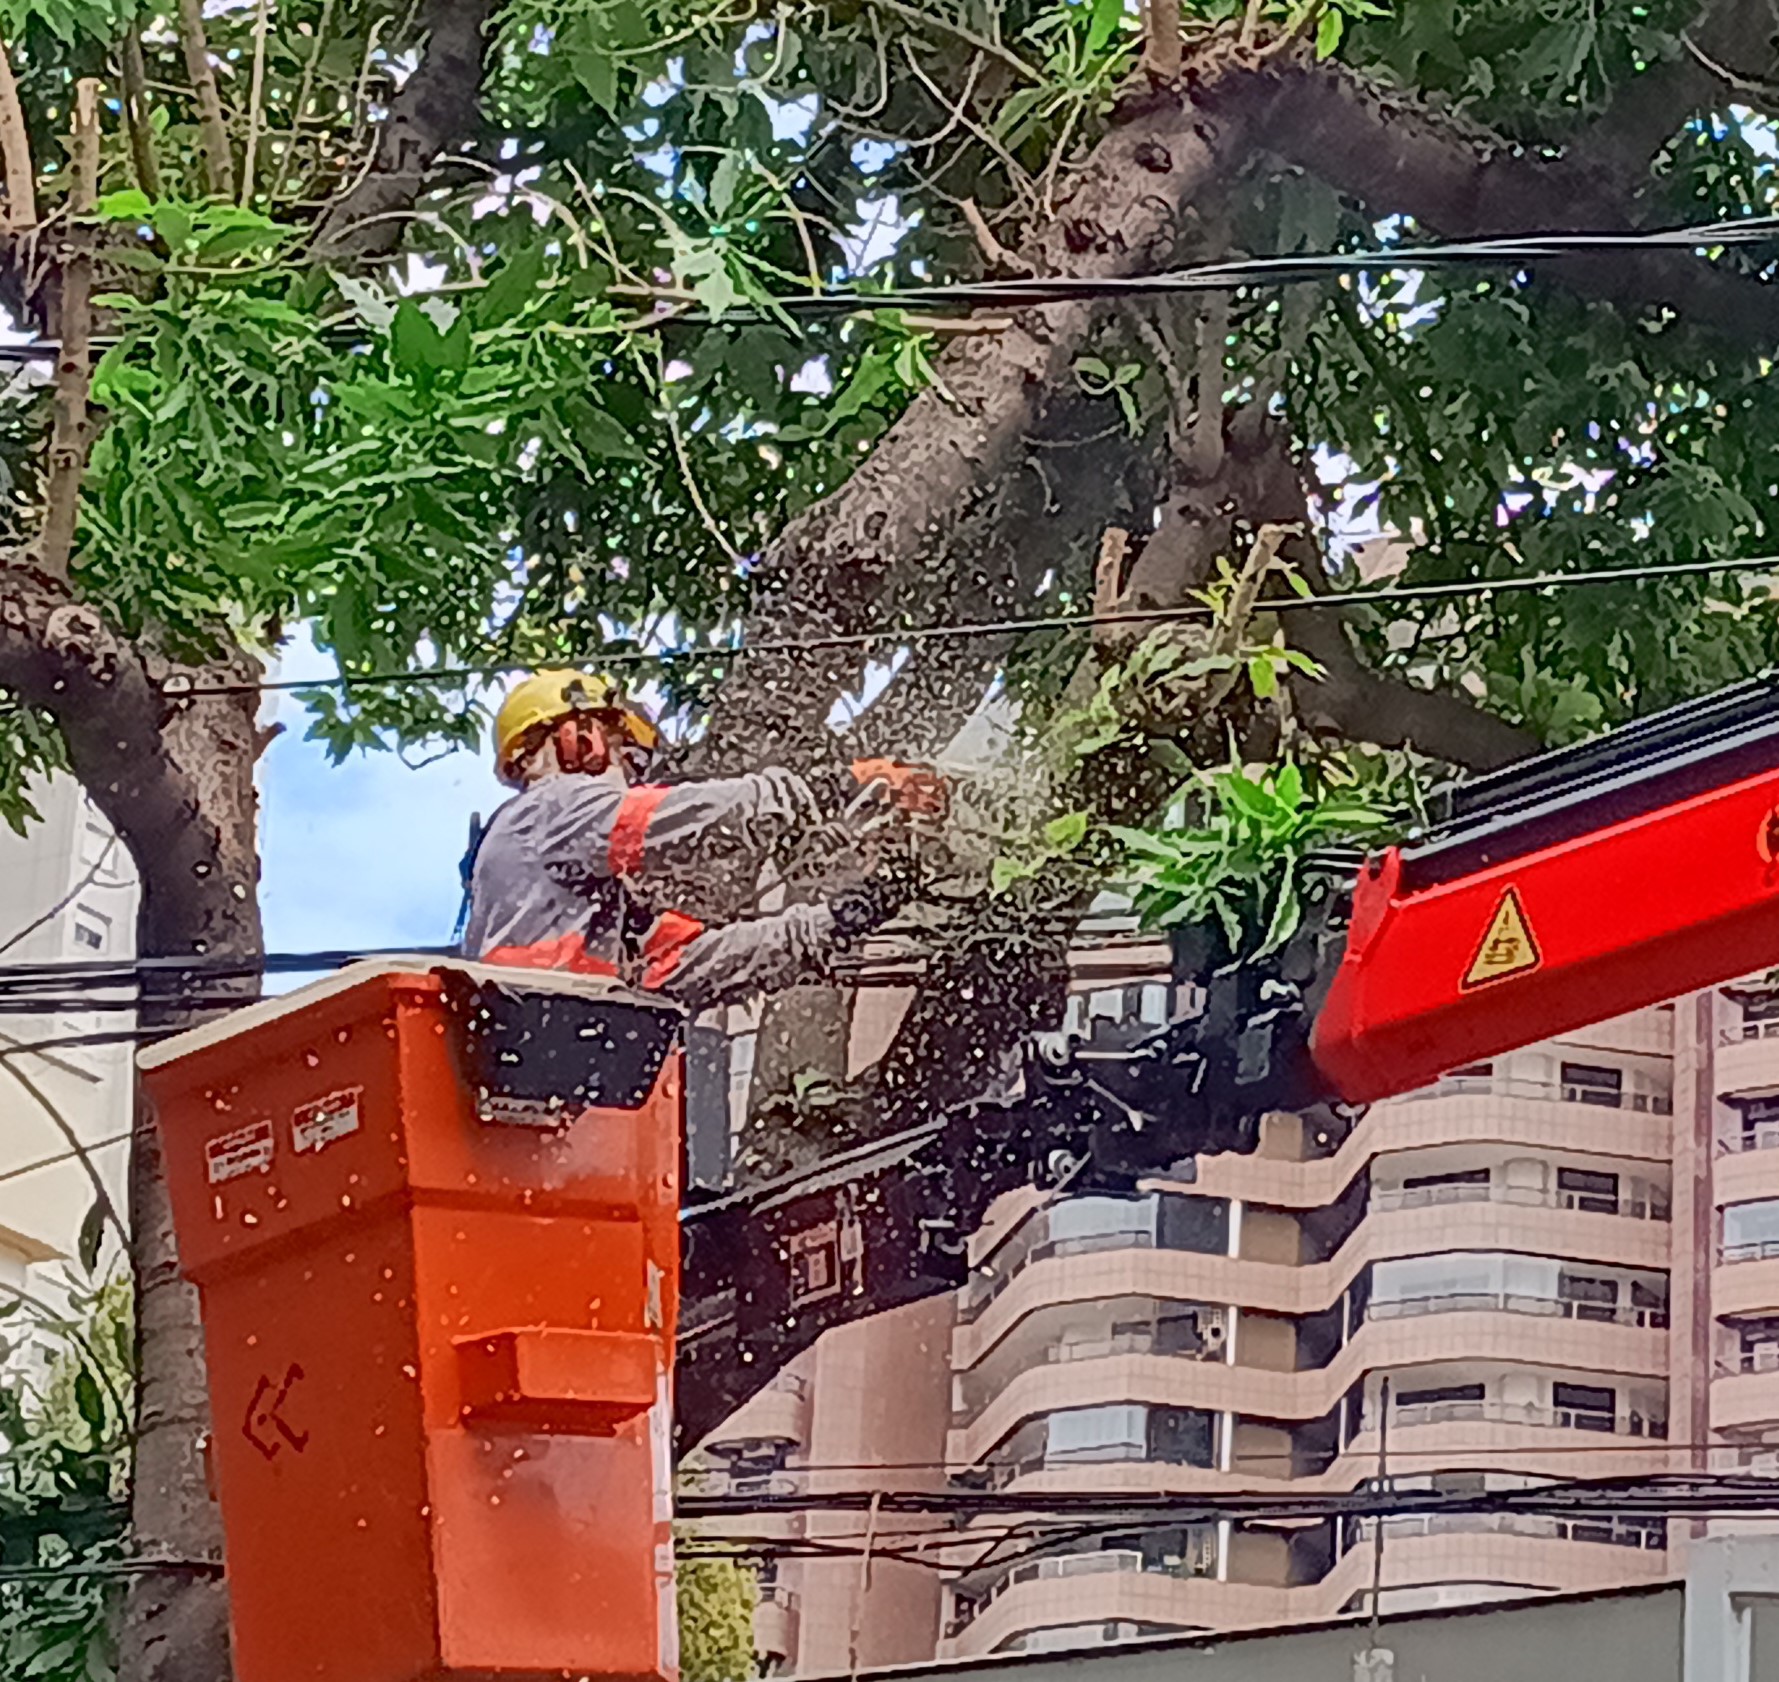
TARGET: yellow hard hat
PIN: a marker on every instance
(546, 698)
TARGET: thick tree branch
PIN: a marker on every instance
(436, 106)
(831, 569)
(213, 133)
(1735, 35)
(74, 367)
(1390, 152)
(15, 150)
(1390, 712)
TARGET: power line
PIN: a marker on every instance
(951, 630)
(1230, 275)
(66, 900)
(1289, 269)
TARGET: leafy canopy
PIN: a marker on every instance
(489, 435)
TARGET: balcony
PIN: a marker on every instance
(1643, 1534)
(1200, 1561)
(1740, 1033)
(1762, 1249)
(1514, 1302)
(1633, 1424)
(1543, 1091)
(1747, 1058)
(1745, 1392)
(1427, 1197)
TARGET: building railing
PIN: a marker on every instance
(1625, 1533)
(1762, 1249)
(1200, 1561)
(999, 1473)
(1515, 1302)
(1632, 1424)
(1098, 1349)
(977, 1295)
(1423, 1197)
(1750, 1360)
(1738, 1032)
(1568, 1092)
(1763, 1137)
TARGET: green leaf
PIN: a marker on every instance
(599, 433)
(722, 184)
(173, 222)
(371, 304)
(1004, 872)
(419, 346)
(129, 205)
(92, 1235)
(1103, 23)
(1263, 676)
(512, 288)
(1329, 29)
(90, 1401)
(1286, 915)
(1064, 834)
(132, 257)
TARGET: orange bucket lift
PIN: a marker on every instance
(432, 1212)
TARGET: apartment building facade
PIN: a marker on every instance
(67, 892)
(1561, 1262)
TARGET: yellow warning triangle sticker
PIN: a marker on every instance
(1507, 948)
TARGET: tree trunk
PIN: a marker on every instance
(176, 1621)
(175, 778)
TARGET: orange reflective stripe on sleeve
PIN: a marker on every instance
(631, 827)
(665, 944)
(565, 952)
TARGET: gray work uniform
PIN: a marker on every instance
(551, 884)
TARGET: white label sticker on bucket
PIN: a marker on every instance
(315, 1126)
(247, 1150)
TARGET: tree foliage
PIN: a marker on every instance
(716, 1620)
(448, 332)
(65, 1427)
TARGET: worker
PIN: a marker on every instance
(557, 879)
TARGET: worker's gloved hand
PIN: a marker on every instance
(859, 910)
(911, 788)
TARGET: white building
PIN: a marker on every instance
(67, 892)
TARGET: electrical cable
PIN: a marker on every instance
(65, 901)
(1339, 602)
(1231, 274)
(1235, 273)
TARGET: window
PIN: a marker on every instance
(1472, 1071)
(1089, 1220)
(1583, 1188)
(92, 929)
(1200, 1224)
(1465, 1177)
(1751, 1229)
(1593, 1083)
(1441, 1393)
(1180, 1436)
(1761, 1010)
(1179, 1334)
(1585, 1407)
(1118, 1432)
(1595, 1297)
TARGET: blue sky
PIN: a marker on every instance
(365, 853)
